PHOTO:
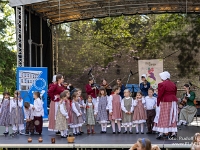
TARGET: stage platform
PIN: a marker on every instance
(99, 141)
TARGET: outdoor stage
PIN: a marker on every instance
(107, 141)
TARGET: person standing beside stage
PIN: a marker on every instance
(54, 94)
(167, 101)
(93, 91)
(122, 87)
(145, 85)
(188, 112)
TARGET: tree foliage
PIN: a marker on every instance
(7, 53)
(98, 41)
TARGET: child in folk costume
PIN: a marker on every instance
(115, 113)
(82, 106)
(28, 111)
(62, 116)
(17, 114)
(101, 109)
(127, 110)
(139, 116)
(90, 120)
(150, 102)
(38, 112)
(68, 107)
(5, 112)
(76, 114)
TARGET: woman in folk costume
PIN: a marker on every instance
(54, 94)
(17, 114)
(188, 112)
(167, 101)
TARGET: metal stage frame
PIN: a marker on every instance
(35, 53)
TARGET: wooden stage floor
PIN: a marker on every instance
(109, 140)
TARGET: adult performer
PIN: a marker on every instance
(122, 87)
(53, 81)
(187, 113)
(167, 101)
(92, 90)
(144, 85)
(54, 94)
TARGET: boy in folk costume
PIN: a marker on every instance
(150, 101)
(38, 112)
(127, 110)
(17, 114)
(29, 116)
(62, 116)
(115, 113)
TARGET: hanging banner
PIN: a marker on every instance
(151, 68)
(30, 79)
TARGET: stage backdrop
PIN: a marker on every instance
(30, 79)
(151, 68)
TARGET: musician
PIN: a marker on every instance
(68, 86)
(105, 84)
(122, 87)
(92, 90)
(188, 112)
(145, 85)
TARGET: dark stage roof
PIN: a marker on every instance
(73, 10)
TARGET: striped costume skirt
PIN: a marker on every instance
(187, 113)
(168, 117)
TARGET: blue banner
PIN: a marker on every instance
(30, 79)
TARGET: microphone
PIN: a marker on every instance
(90, 71)
(131, 72)
(190, 83)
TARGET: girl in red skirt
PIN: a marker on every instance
(38, 112)
(139, 116)
(115, 113)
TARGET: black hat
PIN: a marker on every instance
(186, 85)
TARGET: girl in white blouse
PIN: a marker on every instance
(38, 112)
(62, 116)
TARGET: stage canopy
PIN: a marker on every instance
(60, 11)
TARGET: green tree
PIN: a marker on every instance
(7, 52)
